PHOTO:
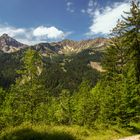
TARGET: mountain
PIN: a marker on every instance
(70, 46)
(77, 46)
(69, 61)
(9, 45)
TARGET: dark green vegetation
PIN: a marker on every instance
(64, 90)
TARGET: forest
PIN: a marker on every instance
(62, 98)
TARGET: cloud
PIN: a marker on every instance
(92, 5)
(70, 7)
(48, 32)
(12, 31)
(34, 35)
(83, 11)
(105, 19)
(69, 3)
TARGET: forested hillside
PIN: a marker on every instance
(41, 91)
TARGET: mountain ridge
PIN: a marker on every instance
(10, 45)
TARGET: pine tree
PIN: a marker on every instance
(2, 100)
(122, 63)
(28, 92)
(131, 30)
(84, 105)
(65, 107)
(128, 30)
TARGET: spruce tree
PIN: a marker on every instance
(28, 93)
(122, 64)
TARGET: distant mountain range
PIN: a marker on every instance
(10, 45)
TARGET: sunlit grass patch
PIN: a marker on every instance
(28, 131)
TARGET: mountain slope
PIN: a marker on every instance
(70, 46)
(67, 58)
(9, 45)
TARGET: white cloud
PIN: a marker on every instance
(92, 5)
(34, 35)
(70, 7)
(69, 3)
(104, 19)
(83, 11)
(48, 32)
(12, 31)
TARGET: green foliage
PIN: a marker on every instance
(27, 93)
(9, 63)
(65, 104)
(83, 105)
(65, 90)
(2, 99)
(121, 82)
(67, 72)
(2, 96)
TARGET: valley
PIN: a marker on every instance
(64, 89)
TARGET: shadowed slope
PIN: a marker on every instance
(30, 134)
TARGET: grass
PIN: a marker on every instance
(46, 132)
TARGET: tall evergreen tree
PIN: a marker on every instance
(122, 63)
(129, 31)
(28, 92)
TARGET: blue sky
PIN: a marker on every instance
(33, 21)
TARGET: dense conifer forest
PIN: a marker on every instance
(38, 93)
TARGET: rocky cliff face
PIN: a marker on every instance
(9, 45)
(77, 46)
(86, 49)
(70, 46)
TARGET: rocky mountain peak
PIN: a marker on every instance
(5, 35)
(8, 44)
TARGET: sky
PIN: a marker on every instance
(34, 21)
